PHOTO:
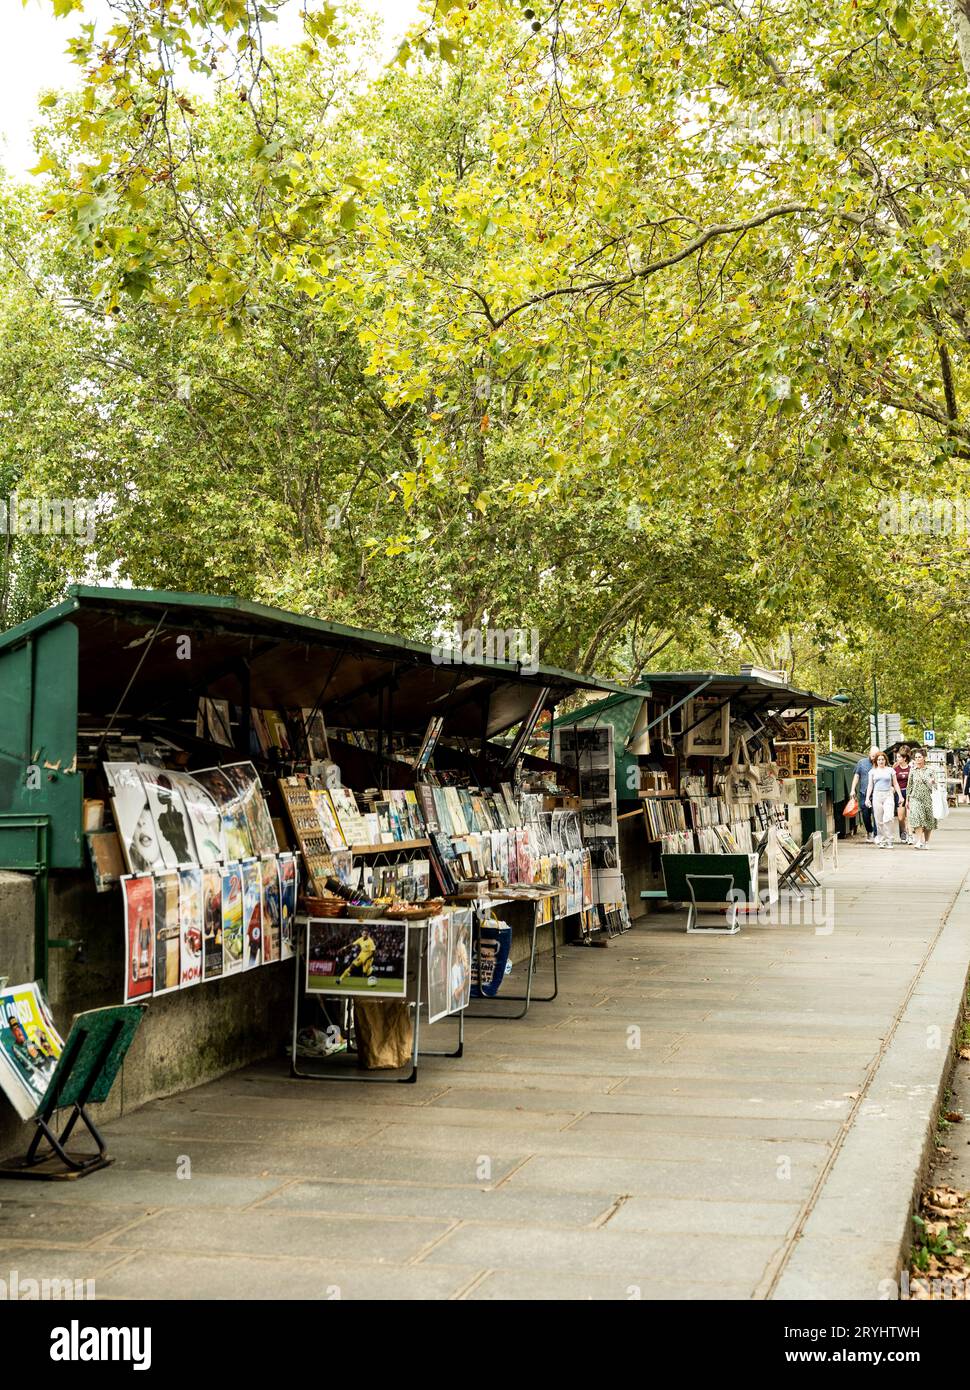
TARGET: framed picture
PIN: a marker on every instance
(356, 958)
(806, 793)
(710, 736)
(804, 759)
(797, 729)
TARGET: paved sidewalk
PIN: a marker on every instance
(736, 1117)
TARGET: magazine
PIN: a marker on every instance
(29, 1047)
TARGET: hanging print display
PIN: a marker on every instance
(133, 818)
(203, 814)
(172, 824)
(244, 779)
(237, 842)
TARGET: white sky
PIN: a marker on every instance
(32, 59)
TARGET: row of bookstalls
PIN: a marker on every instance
(715, 775)
(197, 790)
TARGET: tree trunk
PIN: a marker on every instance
(960, 9)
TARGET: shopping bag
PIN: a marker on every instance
(851, 807)
(940, 808)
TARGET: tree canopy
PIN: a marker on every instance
(625, 322)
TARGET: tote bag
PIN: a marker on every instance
(740, 782)
(940, 808)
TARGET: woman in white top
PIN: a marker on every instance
(881, 793)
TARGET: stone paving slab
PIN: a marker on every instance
(762, 1140)
(227, 1277)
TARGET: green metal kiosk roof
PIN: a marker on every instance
(147, 655)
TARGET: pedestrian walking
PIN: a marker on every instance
(966, 776)
(901, 767)
(860, 789)
(919, 800)
(883, 791)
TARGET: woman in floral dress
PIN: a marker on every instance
(919, 799)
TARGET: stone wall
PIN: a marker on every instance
(187, 1037)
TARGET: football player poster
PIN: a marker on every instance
(367, 958)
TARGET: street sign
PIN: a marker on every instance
(929, 737)
(890, 730)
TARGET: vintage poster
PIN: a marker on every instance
(244, 779)
(203, 815)
(237, 842)
(270, 886)
(29, 1047)
(288, 896)
(166, 932)
(170, 814)
(139, 905)
(232, 919)
(459, 957)
(438, 959)
(190, 926)
(367, 958)
(133, 818)
(212, 967)
(253, 913)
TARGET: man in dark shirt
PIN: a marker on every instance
(860, 788)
